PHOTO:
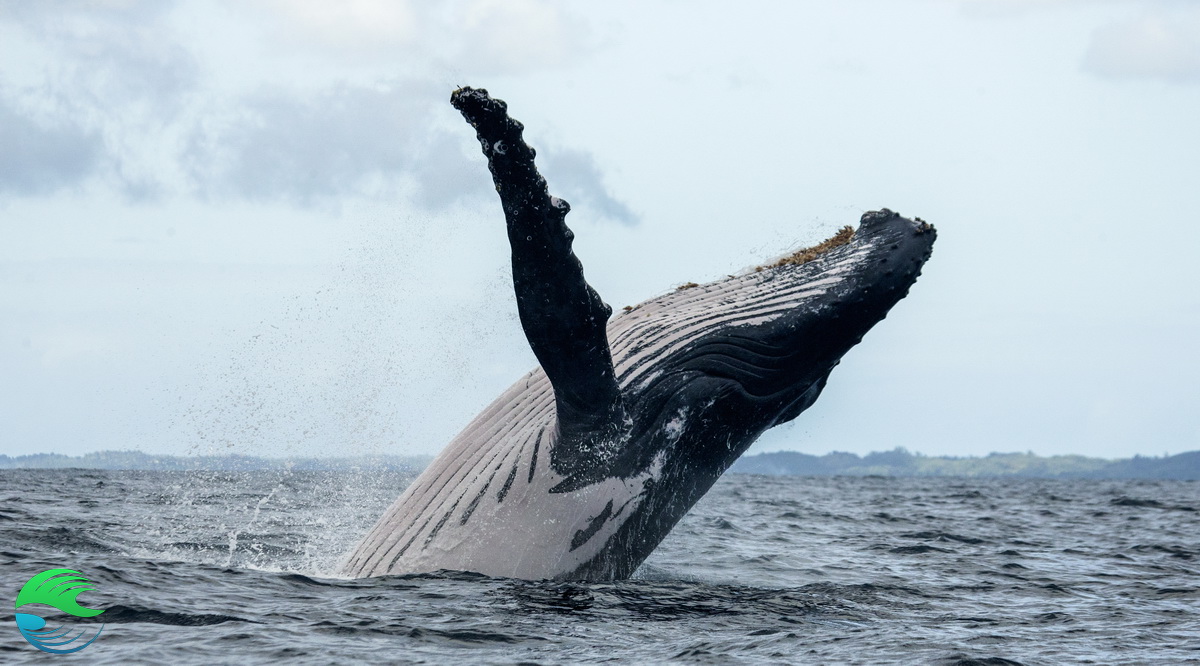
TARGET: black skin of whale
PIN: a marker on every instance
(739, 381)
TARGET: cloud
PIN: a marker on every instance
(311, 149)
(130, 96)
(117, 53)
(1161, 44)
(476, 36)
(43, 157)
(349, 25)
(519, 35)
(574, 176)
(444, 176)
(993, 8)
(308, 147)
(99, 82)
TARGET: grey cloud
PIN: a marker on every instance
(115, 52)
(283, 146)
(116, 82)
(353, 139)
(574, 176)
(123, 101)
(444, 176)
(39, 158)
(1162, 44)
(286, 146)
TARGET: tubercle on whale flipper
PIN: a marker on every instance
(564, 319)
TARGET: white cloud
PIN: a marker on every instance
(1160, 39)
(515, 35)
(479, 36)
(351, 24)
(1160, 44)
(1018, 7)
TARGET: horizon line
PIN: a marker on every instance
(286, 457)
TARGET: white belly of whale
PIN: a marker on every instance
(485, 505)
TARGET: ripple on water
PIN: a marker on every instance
(818, 570)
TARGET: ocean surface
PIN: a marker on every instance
(205, 568)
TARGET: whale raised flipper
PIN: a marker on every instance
(564, 318)
(583, 466)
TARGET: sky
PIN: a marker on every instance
(260, 228)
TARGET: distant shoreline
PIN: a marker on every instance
(138, 460)
(897, 462)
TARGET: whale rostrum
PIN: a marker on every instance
(581, 468)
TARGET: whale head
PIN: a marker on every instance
(770, 337)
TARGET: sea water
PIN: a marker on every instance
(210, 567)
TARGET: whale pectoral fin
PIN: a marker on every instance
(564, 318)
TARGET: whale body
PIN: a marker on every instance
(582, 467)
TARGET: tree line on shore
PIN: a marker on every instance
(897, 462)
(900, 462)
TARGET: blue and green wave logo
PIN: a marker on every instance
(58, 588)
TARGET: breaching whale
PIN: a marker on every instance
(583, 466)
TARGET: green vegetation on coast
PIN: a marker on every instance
(899, 462)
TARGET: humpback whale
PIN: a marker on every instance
(583, 466)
